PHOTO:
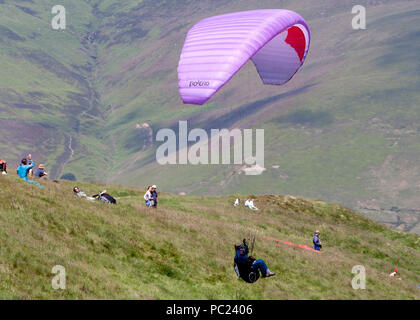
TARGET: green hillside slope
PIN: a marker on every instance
(89, 100)
(184, 249)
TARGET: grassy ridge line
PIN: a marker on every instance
(184, 250)
(352, 109)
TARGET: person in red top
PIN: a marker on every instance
(3, 167)
(393, 274)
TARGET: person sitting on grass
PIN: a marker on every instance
(81, 194)
(40, 172)
(250, 204)
(148, 197)
(23, 170)
(246, 265)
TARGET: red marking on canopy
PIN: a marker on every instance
(296, 39)
(293, 244)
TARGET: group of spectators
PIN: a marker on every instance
(25, 170)
(249, 203)
(150, 197)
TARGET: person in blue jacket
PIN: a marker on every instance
(154, 195)
(23, 171)
(316, 241)
(246, 264)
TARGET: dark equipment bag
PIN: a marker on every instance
(250, 276)
(105, 197)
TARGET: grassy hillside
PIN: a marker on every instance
(184, 249)
(345, 129)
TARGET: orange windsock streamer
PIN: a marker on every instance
(293, 244)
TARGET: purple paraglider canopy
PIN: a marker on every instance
(215, 49)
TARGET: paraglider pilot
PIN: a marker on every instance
(247, 265)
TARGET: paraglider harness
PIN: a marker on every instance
(3, 166)
(105, 197)
(248, 275)
(246, 272)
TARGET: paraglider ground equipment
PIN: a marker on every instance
(105, 197)
(251, 277)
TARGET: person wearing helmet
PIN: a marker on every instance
(316, 241)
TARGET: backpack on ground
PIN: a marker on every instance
(105, 197)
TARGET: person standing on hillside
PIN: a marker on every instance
(316, 241)
(23, 171)
(148, 196)
(30, 163)
(154, 195)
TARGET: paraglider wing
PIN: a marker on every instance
(215, 49)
